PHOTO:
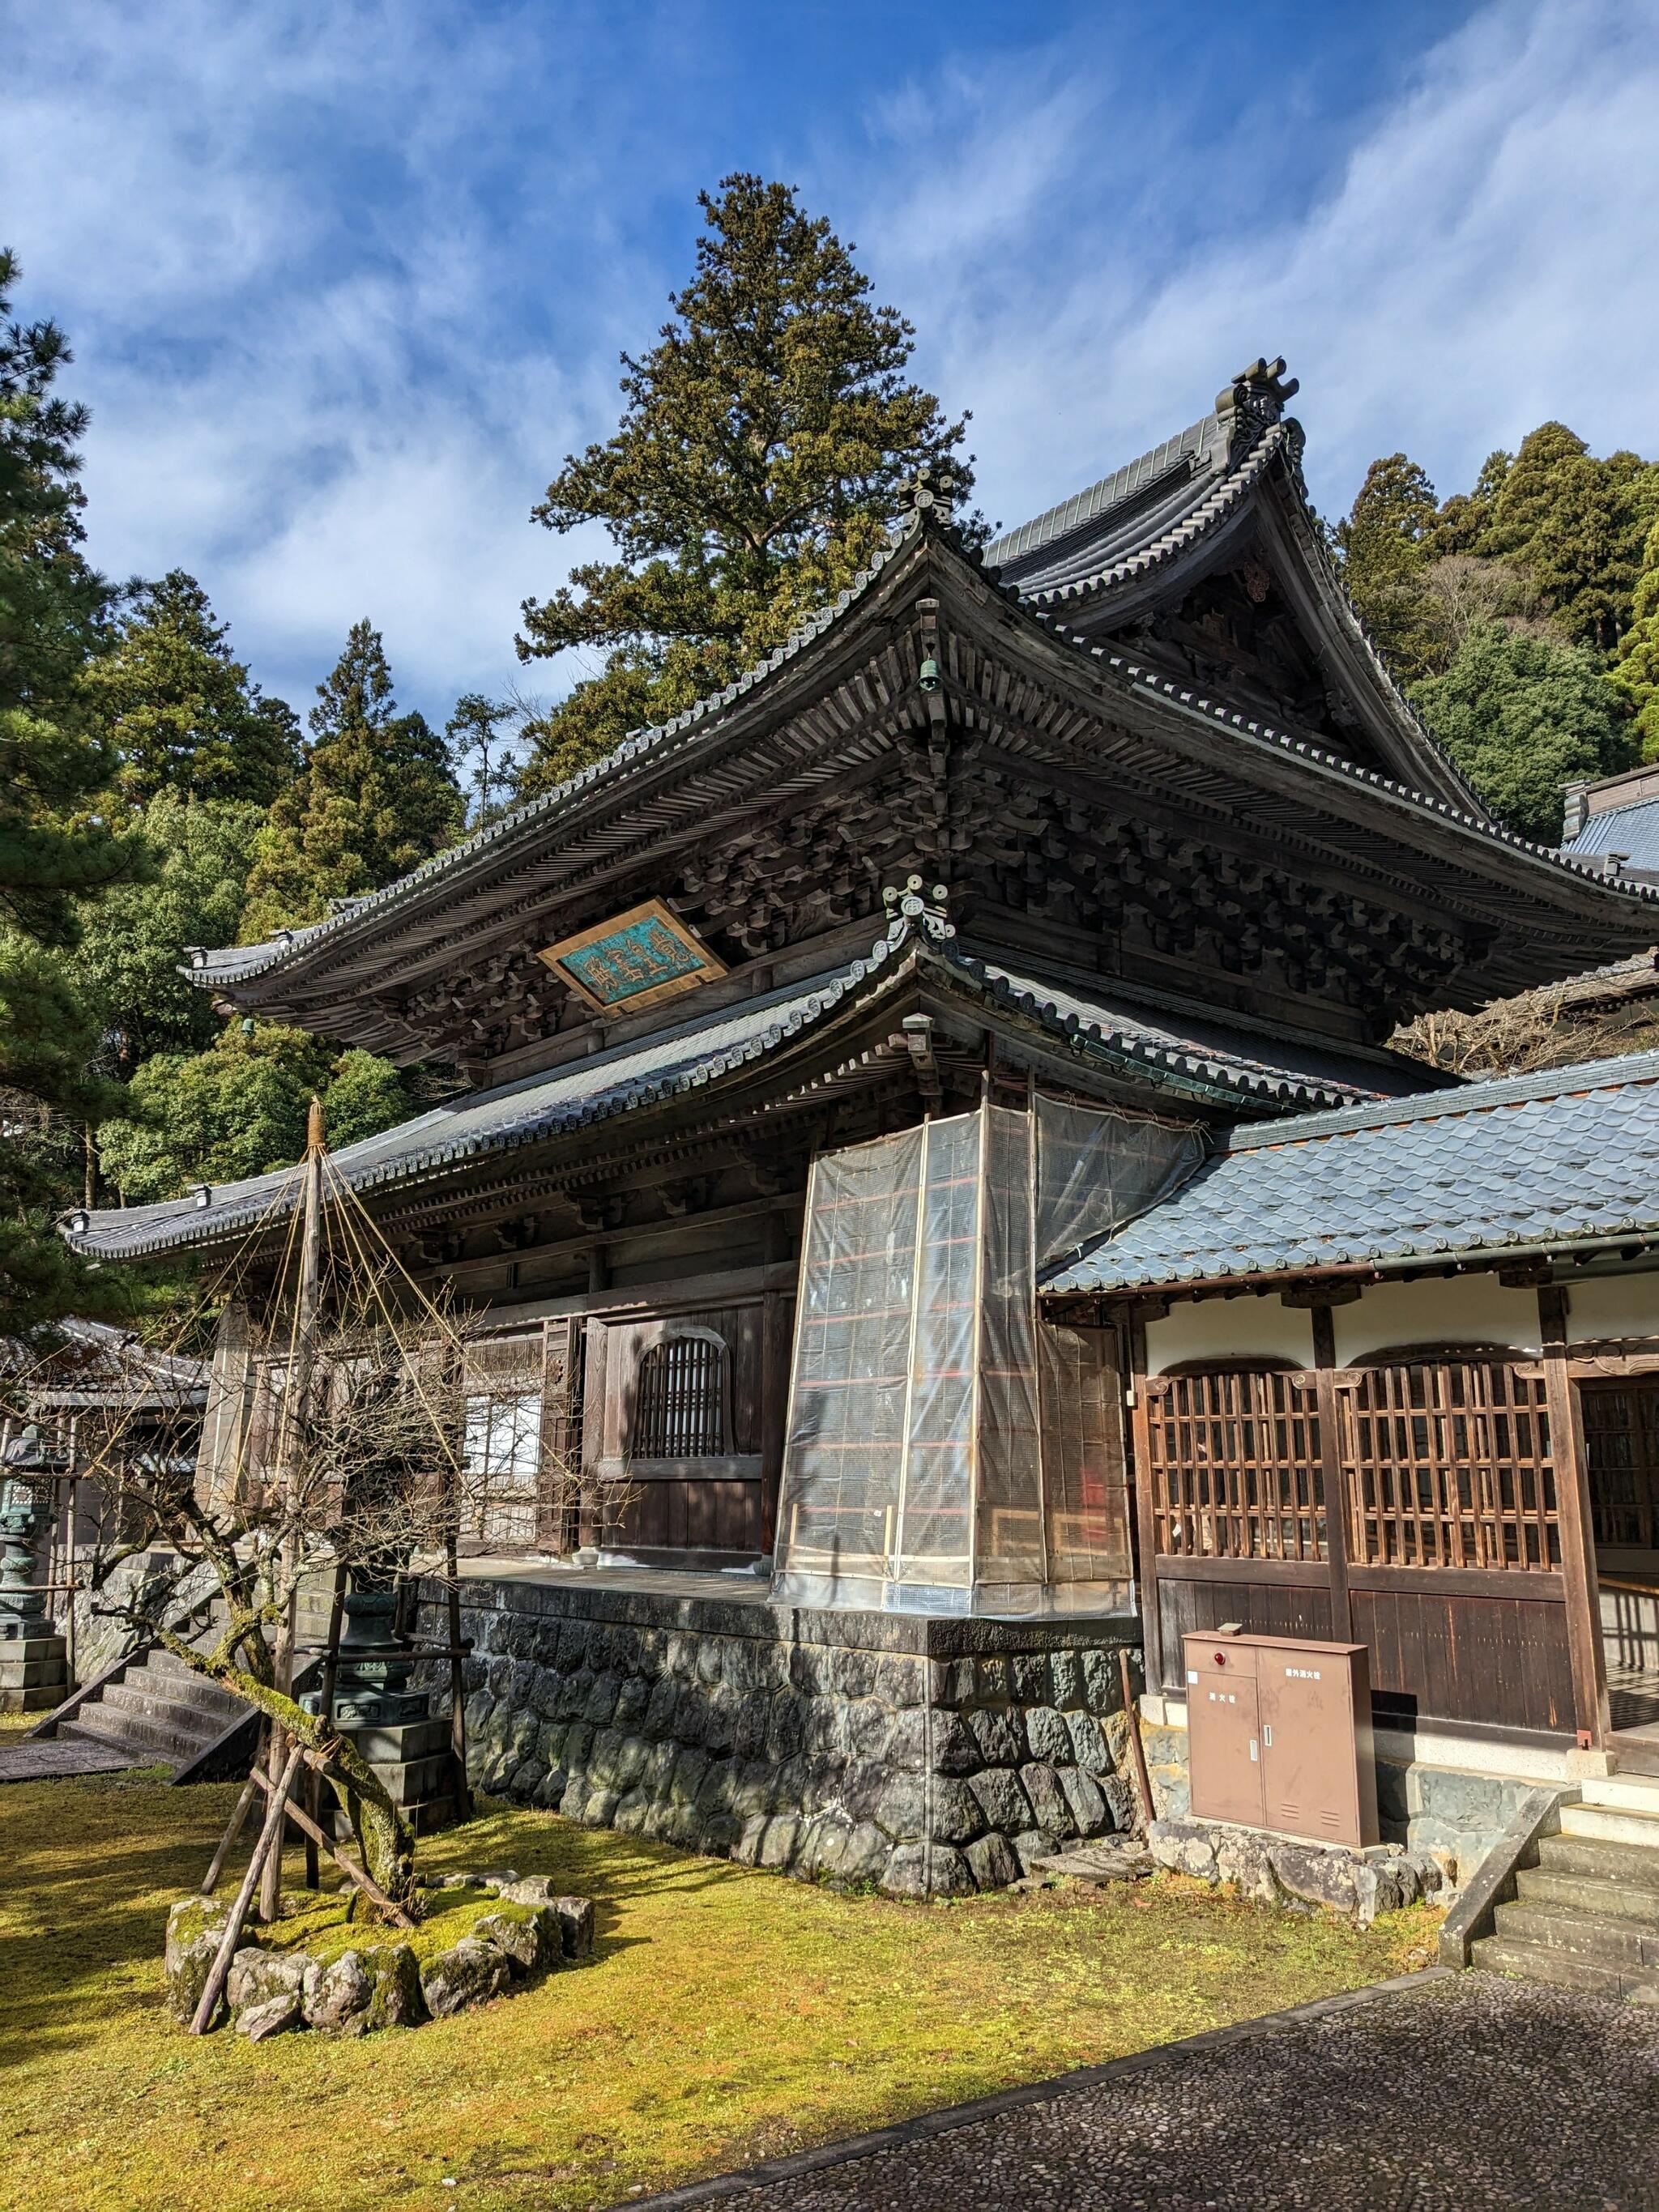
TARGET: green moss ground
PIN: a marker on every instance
(725, 2016)
(321, 1927)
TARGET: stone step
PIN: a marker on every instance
(1610, 1823)
(183, 1688)
(132, 1701)
(1537, 1962)
(155, 1744)
(1595, 1894)
(1634, 1864)
(1613, 1942)
(1623, 1793)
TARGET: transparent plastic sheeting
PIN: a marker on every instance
(947, 1451)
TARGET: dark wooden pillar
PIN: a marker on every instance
(1572, 1509)
(1333, 1475)
(1152, 1628)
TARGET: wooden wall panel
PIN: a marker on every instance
(1499, 1660)
(1267, 1608)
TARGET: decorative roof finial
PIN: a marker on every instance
(907, 910)
(933, 490)
(1257, 395)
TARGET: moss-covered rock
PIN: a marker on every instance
(469, 1974)
(195, 1926)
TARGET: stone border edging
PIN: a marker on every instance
(949, 2118)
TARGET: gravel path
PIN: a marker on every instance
(1449, 2094)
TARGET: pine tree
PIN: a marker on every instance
(1383, 549)
(1636, 676)
(1522, 716)
(54, 851)
(182, 715)
(374, 798)
(480, 755)
(766, 444)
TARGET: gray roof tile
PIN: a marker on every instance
(1563, 1159)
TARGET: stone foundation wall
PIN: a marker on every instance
(926, 1757)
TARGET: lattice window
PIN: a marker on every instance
(1447, 1464)
(501, 1452)
(1235, 1470)
(1621, 1443)
(679, 1412)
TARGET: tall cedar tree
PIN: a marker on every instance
(54, 852)
(1636, 677)
(374, 798)
(185, 716)
(1576, 525)
(767, 444)
(1383, 545)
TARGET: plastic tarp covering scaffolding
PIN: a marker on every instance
(947, 1451)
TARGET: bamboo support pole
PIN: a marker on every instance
(296, 1394)
(232, 1829)
(1132, 1716)
(270, 1840)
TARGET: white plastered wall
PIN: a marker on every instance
(1436, 1309)
(1613, 1305)
(1257, 1327)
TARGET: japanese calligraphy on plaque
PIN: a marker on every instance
(633, 960)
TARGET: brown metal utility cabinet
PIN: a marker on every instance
(1279, 1735)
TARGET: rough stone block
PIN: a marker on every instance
(632, 1811)
(1066, 1671)
(195, 1926)
(1031, 1676)
(1001, 1734)
(781, 1840)
(274, 2016)
(901, 1679)
(632, 1700)
(1089, 1745)
(902, 1807)
(993, 1861)
(1002, 1799)
(469, 1973)
(957, 1816)
(601, 1705)
(1082, 1796)
(1048, 1804)
(955, 1748)
(1048, 1736)
(660, 1707)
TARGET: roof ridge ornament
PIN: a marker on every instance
(1255, 398)
(933, 493)
(910, 912)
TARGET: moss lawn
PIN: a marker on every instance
(725, 2016)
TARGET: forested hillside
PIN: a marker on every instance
(153, 797)
(1521, 615)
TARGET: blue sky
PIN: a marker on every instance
(344, 282)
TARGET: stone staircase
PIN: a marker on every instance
(158, 1711)
(1587, 1914)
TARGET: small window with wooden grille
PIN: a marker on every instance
(679, 1409)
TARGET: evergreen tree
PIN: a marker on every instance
(135, 939)
(1576, 525)
(374, 798)
(1381, 544)
(1636, 677)
(767, 444)
(182, 715)
(54, 852)
(1465, 518)
(1522, 716)
(481, 756)
(239, 1109)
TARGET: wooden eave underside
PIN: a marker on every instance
(847, 708)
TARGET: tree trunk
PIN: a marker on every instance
(383, 1836)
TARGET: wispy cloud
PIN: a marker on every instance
(346, 280)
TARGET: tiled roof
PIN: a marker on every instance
(1565, 1160)
(1131, 497)
(1632, 830)
(1201, 1064)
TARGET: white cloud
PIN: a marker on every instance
(346, 280)
(1478, 264)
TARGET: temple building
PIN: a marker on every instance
(932, 1158)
